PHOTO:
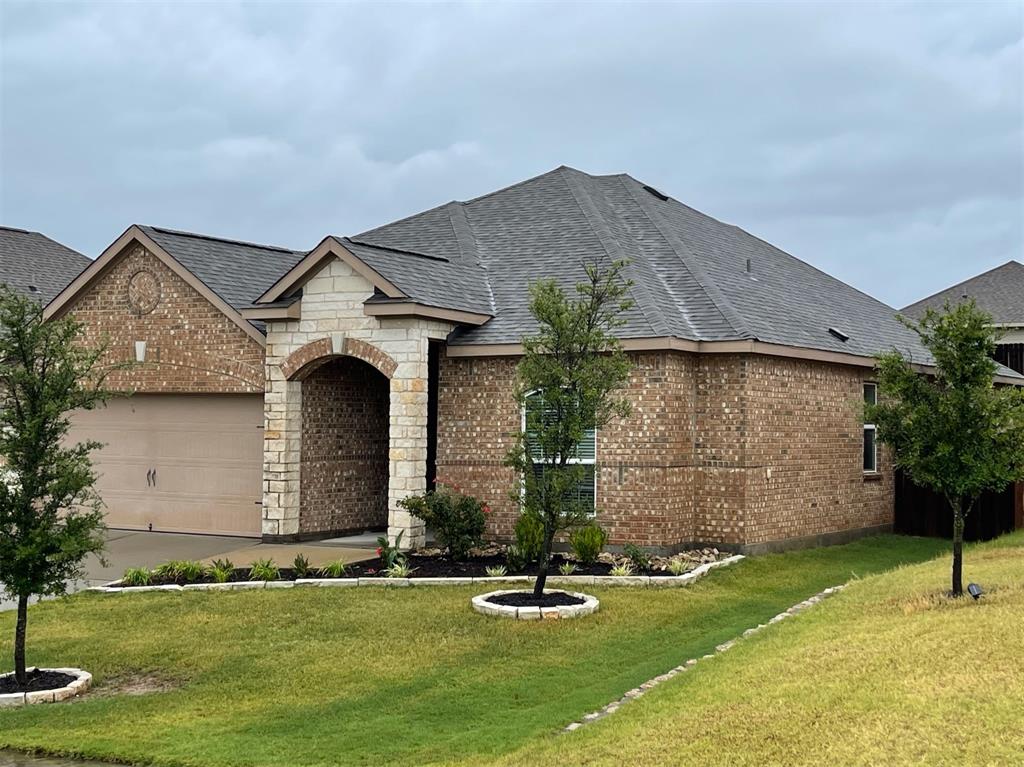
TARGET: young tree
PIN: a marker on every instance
(955, 432)
(50, 517)
(566, 386)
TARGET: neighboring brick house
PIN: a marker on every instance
(1000, 292)
(751, 368)
(34, 265)
(184, 452)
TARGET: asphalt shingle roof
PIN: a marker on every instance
(695, 277)
(999, 291)
(32, 260)
(238, 272)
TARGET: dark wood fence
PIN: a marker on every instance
(922, 512)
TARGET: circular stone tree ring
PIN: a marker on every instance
(520, 605)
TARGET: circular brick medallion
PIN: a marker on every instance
(143, 291)
(483, 605)
(83, 681)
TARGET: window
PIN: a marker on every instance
(870, 435)
(585, 453)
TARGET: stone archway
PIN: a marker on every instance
(344, 462)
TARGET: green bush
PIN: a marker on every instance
(517, 561)
(335, 569)
(530, 536)
(457, 519)
(640, 559)
(181, 569)
(264, 570)
(301, 566)
(221, 570)
(136, 576)
(587, 542)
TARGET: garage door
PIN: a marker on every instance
(178, 462)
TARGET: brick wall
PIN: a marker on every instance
(734, 449)
(191, 346)
(344, 465)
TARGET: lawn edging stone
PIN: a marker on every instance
(482, 604)
(82, 682)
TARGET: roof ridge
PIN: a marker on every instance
(19, 229)
(213, 238)
(610, 242)
(1011, 262)
(403, 251)
(727, 310)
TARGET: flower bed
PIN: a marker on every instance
(45, 685)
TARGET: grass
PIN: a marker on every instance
(365, 676)
(888, 672)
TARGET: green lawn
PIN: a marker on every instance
(889, 672)
(407, 676)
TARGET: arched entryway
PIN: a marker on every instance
(344, 454)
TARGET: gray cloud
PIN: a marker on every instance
(880, 143)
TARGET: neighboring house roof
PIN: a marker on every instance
(33, 264)
(999, 291)
(695, 278)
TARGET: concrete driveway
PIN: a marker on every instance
(132, 548)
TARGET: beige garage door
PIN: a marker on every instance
(182, 463)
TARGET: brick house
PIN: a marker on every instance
(388, 359)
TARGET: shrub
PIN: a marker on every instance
(221, 570)
(587, 542)
(390, 554)
(457, 519)
(301, 566)
(567, 568)
(264, 570)
(640, 559)
(399, 569)
(622, 570)
(496, 571)
(530, 536)
(181, 569)
(677, 567)
(335, 569)
(516, 559)
(136, 576)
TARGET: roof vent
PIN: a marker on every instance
(839, 334)
(656, 193)
(33, 289)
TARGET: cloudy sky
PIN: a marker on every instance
(881, 143)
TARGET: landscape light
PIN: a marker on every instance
(974, 590)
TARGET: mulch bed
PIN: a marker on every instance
(37, 680)
(527, 599)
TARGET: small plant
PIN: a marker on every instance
(335, 569)
(622, 570)
(390, 554)
(264, 570)
(530, 536)
(457, 519)
(496, 571)
(516, 559)
(400, 569)
(587, 542)
(221, 570)
(639, 558)
(136, 576)
(301, 566)
(677, 567)
(181, 569)
(567, 568)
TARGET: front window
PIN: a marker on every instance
(584, 455)
(870, 432)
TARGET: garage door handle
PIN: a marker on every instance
(154, 477)
(149, 478)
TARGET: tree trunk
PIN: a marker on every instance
(20, 675)
(958, 552)
(543, 564)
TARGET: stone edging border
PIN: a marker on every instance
(636, 692)
(484, 606)
(83, 681)
(657, 581)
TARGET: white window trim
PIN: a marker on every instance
(874, 431)
(580, 461)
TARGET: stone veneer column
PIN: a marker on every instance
(282, 454)
(408, 441)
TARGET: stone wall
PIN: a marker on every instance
(739, 450)
(191, 346)
(334, 322)
(344, 464)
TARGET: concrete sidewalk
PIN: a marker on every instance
(132, 548)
